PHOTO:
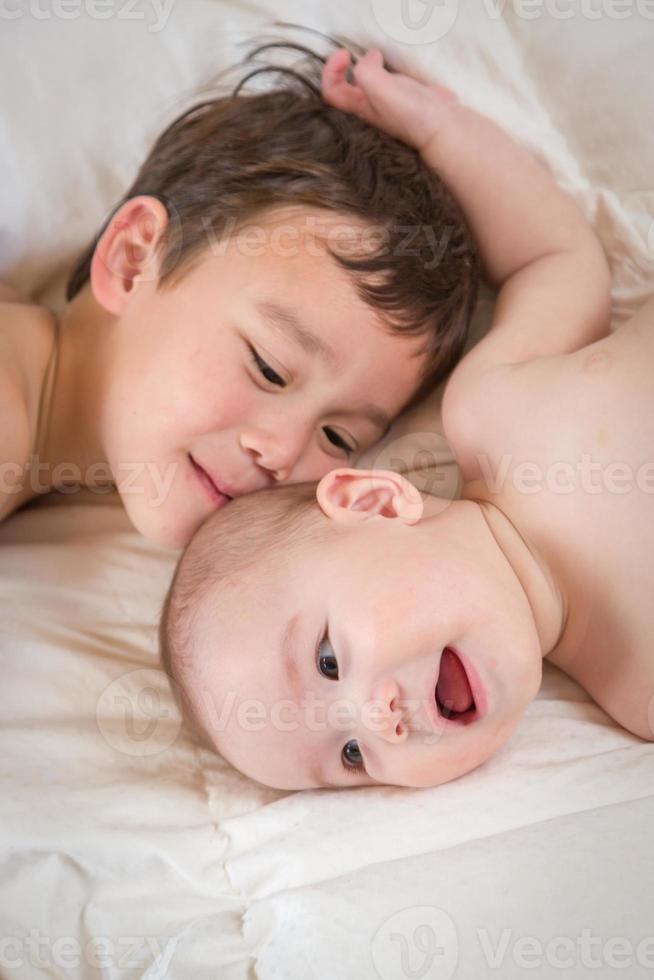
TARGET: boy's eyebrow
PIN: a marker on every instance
(287, 321)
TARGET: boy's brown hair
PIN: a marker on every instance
(230, 158)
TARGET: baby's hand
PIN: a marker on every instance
(405, 108)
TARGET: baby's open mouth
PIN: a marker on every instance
(453, 693)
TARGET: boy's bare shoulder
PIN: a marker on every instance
(26, 337)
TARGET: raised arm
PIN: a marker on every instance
(535, 244)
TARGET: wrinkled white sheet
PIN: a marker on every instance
(127, 851)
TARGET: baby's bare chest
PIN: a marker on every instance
(579, 475)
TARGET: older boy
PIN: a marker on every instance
(359, 634)
(280, 280)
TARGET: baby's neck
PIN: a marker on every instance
(534, 569)
(72, 453)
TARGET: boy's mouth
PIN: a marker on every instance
(212, 489)
(453, 693)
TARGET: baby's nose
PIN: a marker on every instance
(389, 714)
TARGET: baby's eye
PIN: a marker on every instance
(336, 440)
(351, 758)
(328, 661)
(266, 370)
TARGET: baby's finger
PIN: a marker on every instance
(335, 66)
(336, 88)
(334, 83)
(369, 70)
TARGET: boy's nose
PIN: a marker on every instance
(389, 715)
(277, 454)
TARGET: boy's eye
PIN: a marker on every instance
(273, 378)
(327, 663)
(336, 440)
(351, 758)
(268, 373)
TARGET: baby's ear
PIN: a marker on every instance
(127, 250)
(350, 496)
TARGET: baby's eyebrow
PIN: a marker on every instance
(293, 682)
(290, 671)
(289, 650)
(318, 778)
(316, 775)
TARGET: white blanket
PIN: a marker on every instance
(127, 851)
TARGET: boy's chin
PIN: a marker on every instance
(163, 524)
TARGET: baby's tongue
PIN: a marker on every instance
(452, 688)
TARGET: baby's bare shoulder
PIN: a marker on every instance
(501, 409)
(26, 335)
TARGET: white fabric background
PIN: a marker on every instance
(135, 835)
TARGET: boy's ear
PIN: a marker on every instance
(350, 496)
(127, 251)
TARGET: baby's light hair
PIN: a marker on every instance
(266, 528)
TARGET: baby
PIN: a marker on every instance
(357, 634)
(279, 282)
